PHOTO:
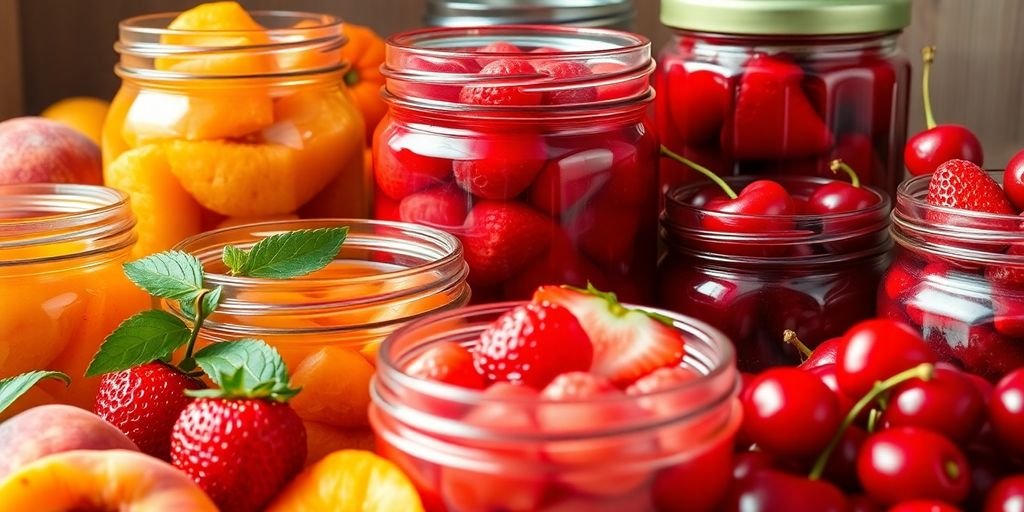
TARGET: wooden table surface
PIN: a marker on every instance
(50, 49)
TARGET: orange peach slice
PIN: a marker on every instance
(219, 26)
(102, 480)
(157, 115)
(323, 440)
(335, 386)
(36, 323)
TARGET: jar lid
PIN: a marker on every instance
(786, 17)
(587, 13)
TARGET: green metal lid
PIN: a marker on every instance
(786, 17)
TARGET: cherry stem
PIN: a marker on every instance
(928, 55)
(874, 416)
(789, 336)
(923, 371)
(701, 169)
(839, 165)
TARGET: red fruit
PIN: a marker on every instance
(875, 350)
(962, 184)
(441, 207)
(924, 506)
(839, 197)
(926, 151)
(698, 102)
(908, 463)
(1013, 180)
(948, 404)
(773, 491)
(144, 402)
(439, 66)
(532, 344)
(502, 165)
(611, 169)
(500, 239)
(1006, 411)
(493, 93)
(757, 209)
(608, 235)
(825, 353)
(628, 343)
(788, 411)
(562, 264)
(572, 73)
(858, 151)
(698, 483)
(501, 47)
(1007, 495)
(240, 451)
(653, 386)
(899, 279)
(983, 351)
(400, 172)
(1008, 277)
(773, 118)
(826, 373)
(617, 90)
(385, 208)
(446, 362)
(841, 468)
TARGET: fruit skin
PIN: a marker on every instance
(364, 51)
(240, 451)
(1006, 496)
(399, 171)
(440, 207)
(82, 113)
(1006, 411)
(763, 201)
(562, 70)
(501, 94)
(875, 350)
(948, 404)
(698, 104)
(336, 387)
(1013, 180)
(962, 184)
(532, 344)
(500, 239)
(446, 362)
(144, 402)
(771, 491)
(909, 463)
(37, 150)
(788, 411)
(49, 429)
(924, 506)
(926, 151)
(503, 165)
(102, 480)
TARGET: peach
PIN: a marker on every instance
(102, 480)
(50, 429)
(33, 150)
(335, 386)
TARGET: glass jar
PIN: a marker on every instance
(217, 127)
(328, 325)
(472, 451)
(958, 276)
(556, 185)
(813, 274)
(617, 14)
(61, 286)
(769, 87)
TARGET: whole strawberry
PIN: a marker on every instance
(144, 402)
(962, 184)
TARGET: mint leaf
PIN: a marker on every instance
(234, 258)
(245, 368)
(170, 275)
(210, 301)
(145, 337)
(12, 388)
(293, 254)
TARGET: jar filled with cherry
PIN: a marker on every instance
(769, 87)
(529, 143)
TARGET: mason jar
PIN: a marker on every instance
(617, 14)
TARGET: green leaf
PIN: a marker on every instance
(294, 254)
(145, 337)
(245, 368)
(13, 387)
(234, 258)
(210, 301)
(170, 275)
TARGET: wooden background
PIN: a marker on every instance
(50, 49)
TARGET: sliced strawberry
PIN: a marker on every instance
(962, 184)
(443, 206)
(501, 165)
(571, 73)
(500, 239)
(446, 362)
(495, 94)
(628, 343)
(399, 171)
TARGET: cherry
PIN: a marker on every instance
(745, 464)
(1007, 495)
(826, 373)
(864, 503)
(771, 491)
(788, 411)
(1006, 411)
(927, 150)
(875, 350)
(948, 404)
(909, 463)
(841, 468)
(839, 197)
(924, 506)
(1013, 180)
(987, 468)
(824, 353)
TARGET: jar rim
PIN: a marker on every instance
(135, 24)
(405, 40)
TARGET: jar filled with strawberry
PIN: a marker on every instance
(572, 401)
(765, 87)
(796, 252)
(959, 271)
(529, 143)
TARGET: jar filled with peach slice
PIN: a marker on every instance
(61, 286)
(327, 325)
(227, 117)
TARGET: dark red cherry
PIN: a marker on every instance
(908, 463)
(773, 491)
(924, 506)
(787, 411)
(1007, 495)
(875, 350)
(839, 196)
(1013, 180)
(1006, 411)
(948, 404)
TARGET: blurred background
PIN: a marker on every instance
(52, 49)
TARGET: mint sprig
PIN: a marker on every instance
(286, 255)
(169, 275)
(245, 368)
(145, 337)
(12, 388)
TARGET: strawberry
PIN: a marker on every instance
(241, 451)
(773, 119)
(501, 165)
(144, 402)
(500, 239)
(561, 264)
(498, 47)
(571, 180)
(443, 206)
(446, 362)
(1007, 276)
(572, 74)
(962, 184)
(439, 66)
(698, 104)
(400, 172)
(608, 235)
(628, 343)
(617, 89)
(494, 94)
(531, 344)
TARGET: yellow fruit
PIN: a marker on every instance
(102, 480)
(217, 25)
(157, 115)
(349, 481)
(84, 114)
(335, 386)
(164, 212)
(36, 323)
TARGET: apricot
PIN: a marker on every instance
(37, 150)
(201, 114)
(37, 322)
(335, 386)
(83, 114)
(323, 440)
(54, 428)
(218, 25)
(102, 480)
(349, 481)
(165, 213)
